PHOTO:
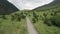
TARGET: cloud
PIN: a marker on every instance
(29, 4)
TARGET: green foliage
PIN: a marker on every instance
(4, 17)
(18, 16)
(35, 17)
(46, 20)
(55, 21)
(13, 24)
(34, 20)
(44, 14)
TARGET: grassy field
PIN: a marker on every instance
(13, 24)
(45, 22)
(42, 21)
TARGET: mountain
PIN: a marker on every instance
(50, 13)
(6, 7)
(53, 5)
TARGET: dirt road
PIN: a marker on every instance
(30, 27)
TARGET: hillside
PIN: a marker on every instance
(46, 19)
(6, 7)
(53, 5)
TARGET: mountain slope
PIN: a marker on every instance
(46, 19)
(53, 5)
(6, 7)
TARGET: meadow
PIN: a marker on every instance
(46, 21)
(13, 23)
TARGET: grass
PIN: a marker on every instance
(7, 26)
(40, 26)
(44, 29)
(15, 23)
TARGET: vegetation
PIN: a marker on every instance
(13, 24)
(47, 22)
(46, 19)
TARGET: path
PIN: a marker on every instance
(31, 29)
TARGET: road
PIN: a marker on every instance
(30, 27)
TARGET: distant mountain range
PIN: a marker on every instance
(53, 5)
(6, 7)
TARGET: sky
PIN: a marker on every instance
(29, 4)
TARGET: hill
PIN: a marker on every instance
(6, 7)
(53, 5)
(46, 19)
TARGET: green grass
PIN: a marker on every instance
(44, 28)
(7, 26)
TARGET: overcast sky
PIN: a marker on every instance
(29, 4)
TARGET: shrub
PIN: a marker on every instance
(0, 24)
(4, 17)
(44, 14)
(12, 17)
(25, 13)
(52, 14)
(56, 21)
(35, 16)
(23, 16)
(47, 21)
(34, 20)
(18, 19)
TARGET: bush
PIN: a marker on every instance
(44, 14)
(23, 16)
(53, 13)
(47, 21)
(3, 16)
(35, 16)
(12, 17)
(56, 21)
(18, 19)
(34, 20)
(0, 24)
